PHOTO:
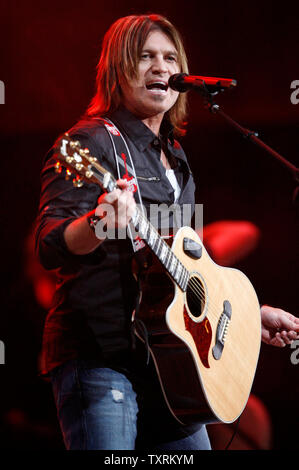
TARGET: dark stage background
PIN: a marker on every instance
(49, 52)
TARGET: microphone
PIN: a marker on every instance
(182, 82)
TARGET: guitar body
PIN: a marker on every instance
(205, 353)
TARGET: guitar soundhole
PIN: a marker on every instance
(195, 296)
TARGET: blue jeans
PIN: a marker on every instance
(103, 409)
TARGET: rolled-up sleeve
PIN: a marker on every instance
(60, 204)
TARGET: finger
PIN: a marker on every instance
(125, 201)
(113, 197)
(285, 337)
(107, 204)
(278, 341)
(109, 198)
(125, 208)
(290, 336)
(122, 183)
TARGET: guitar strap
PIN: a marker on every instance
(126, 170)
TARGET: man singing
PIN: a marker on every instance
(106, 396)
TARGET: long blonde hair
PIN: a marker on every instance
(121, 50)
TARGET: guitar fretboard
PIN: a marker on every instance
(172, 264)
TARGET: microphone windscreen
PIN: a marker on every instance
(176, 82)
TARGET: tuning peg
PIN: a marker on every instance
(79, 166)
(75, 143)
(88, 174)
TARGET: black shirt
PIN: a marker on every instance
(91, 312)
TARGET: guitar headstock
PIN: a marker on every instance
(69, 154)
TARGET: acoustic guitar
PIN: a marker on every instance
(202, 320)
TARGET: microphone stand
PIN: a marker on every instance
(248, 134)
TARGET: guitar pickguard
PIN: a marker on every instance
(202, 336)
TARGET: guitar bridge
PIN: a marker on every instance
(221, 331)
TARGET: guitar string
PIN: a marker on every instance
(199, 294)
(196, 290)
(195, 286)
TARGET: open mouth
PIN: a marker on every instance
(160, 87)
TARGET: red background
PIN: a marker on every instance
(49, 53)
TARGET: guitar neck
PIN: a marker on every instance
(176, 270)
